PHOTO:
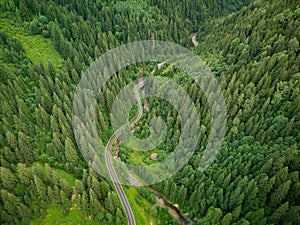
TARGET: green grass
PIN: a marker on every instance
(56, 215)
(143, 157)
(141, 210)
(10, 24)
(40, 50)
(67, 176)
(37, 48)
(137, 157)
(167, 70)
(70, 178)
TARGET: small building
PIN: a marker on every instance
(153, 157)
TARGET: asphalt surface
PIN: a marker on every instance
(113, 175)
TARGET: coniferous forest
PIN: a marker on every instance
(252, 48)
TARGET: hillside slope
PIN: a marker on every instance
(255, 180)
(46, 45)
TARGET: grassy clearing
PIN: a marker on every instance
(40, 50)
(56, 215)
(37, 48)
(67, 176)
(137, 157)
(60, 172)
(10, 24)
(142, 157)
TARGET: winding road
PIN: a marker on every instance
(112, 173)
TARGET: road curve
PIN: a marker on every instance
(112, 173)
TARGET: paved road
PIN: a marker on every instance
(113, 175)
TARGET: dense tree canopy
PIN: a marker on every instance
(253, 50)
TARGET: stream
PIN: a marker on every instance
(173, 210)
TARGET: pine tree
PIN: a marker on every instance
(8, 179)
(256, 217)
(24, 174)
(85, 203)
(109, 203)
(70, 151)
(226, 220)
(65, 201)
(119, 217)
(24, 11)
(279, 213)
(236, 213)
(12, 140)
(279, 194)
(41, 188)
(25, 146)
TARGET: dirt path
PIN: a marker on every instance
(194, 39)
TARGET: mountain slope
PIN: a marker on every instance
(46, 45)
(255, 54)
